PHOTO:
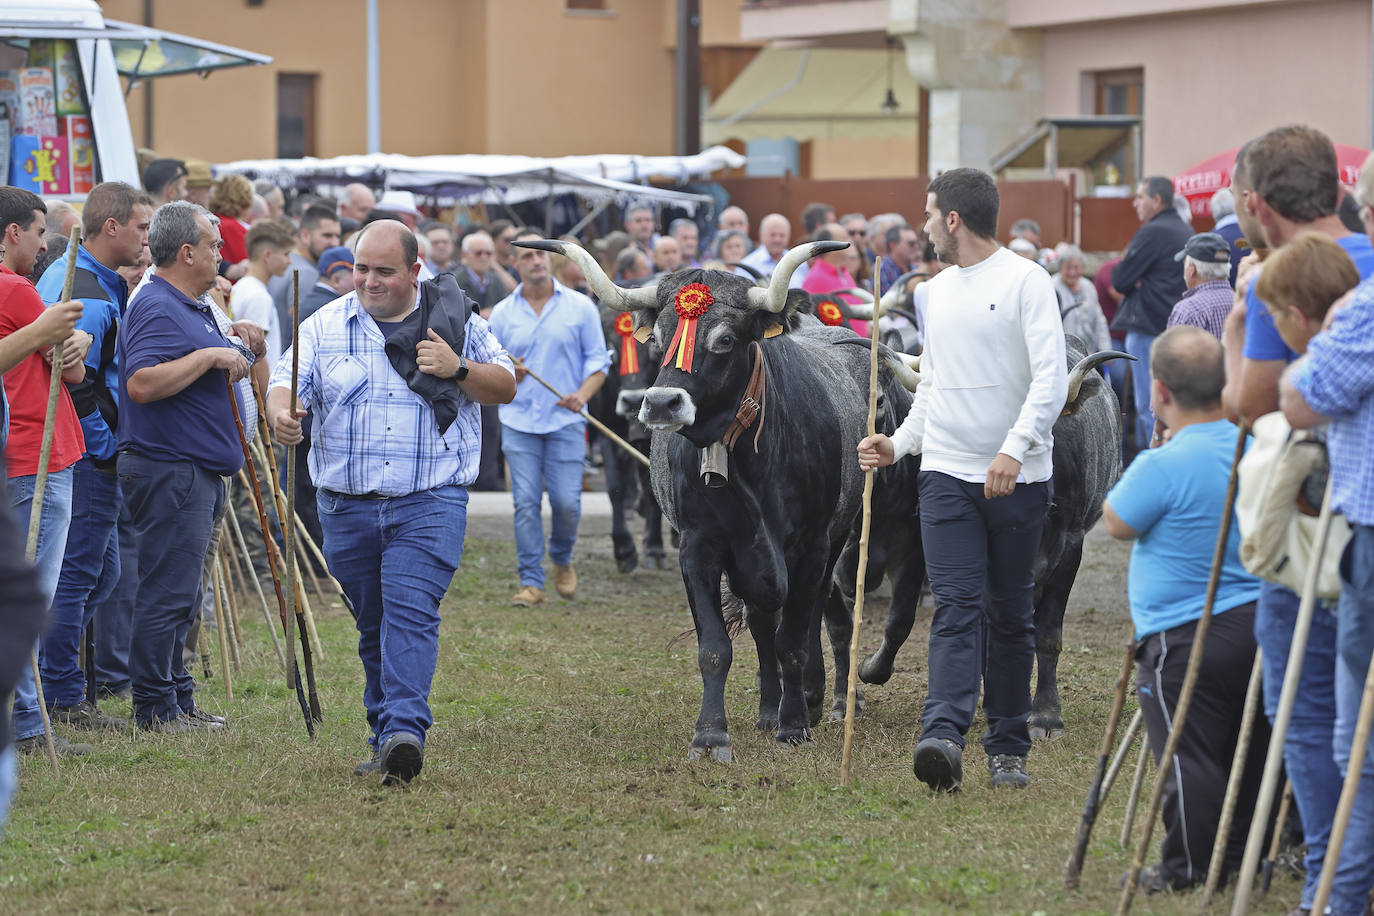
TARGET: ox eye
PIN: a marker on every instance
(725, 341)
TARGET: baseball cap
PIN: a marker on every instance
(1207, 247)
(333, 259)
(198, 174)
(398, 202)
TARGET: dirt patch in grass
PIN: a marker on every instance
(556, 780)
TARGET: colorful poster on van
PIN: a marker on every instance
(40, 164)
(77, 130)
(37, 102)
(67, 73)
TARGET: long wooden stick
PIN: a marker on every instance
(635, 453)
(293, 677)
(1354, 770)
(40, 483)
(1273, 762)
(288, 530)
(252, 575)
(302, 604)
(1119, 758)
(851, 698)
(1133, 799)
(1267, 866)
(222, 592)
(1238, 760)
(222, 631)
(1185, 693)
(1073, 870)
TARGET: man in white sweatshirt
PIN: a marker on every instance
(993, 384)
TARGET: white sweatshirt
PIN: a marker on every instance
(993, 377)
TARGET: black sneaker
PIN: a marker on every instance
(939, 763)
(38, 745)
(368, 767)
(400, 759)
(1008, 770)
(85, 714)
(196, 714)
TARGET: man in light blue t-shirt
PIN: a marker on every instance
(1170, 502)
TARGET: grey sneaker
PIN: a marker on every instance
(368, 767)
(85, 715)
(939, 763)
(38, 745)
(196, 714)
(400, 759)
(1008, 770)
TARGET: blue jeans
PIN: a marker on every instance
(114, 620)
(1355, 636)
(8, 782)
(173, 505)
(52, 543)
(90, 571)
(1138, 345)
(1307, 746)
(540, 462)
(395, 559)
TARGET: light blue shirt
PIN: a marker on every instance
(370, 433)
(760, 260)
(563, 344)
(1173, 495)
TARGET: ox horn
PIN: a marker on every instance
(1085, 365)
(863, 295)
(891, 297)
(759, 278)
(774, 297)
(906, 369)
(612, 297)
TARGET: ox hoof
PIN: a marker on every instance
(794, 737)
(1043, 729)
(767, 723)
(718, 754)
(814, 714)
(875, 669)
(627, 564)
(837, 708)
(655, 562)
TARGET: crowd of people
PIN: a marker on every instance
(412, 367)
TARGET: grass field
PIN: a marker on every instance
(556, 780)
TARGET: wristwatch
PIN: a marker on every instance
(462, 372)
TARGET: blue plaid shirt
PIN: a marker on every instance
(370, 432)
(1336, 378)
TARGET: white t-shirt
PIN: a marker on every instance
(250, 301)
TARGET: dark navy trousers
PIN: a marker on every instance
(980, 555)
(173, 505)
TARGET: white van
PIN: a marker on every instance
(63, 122)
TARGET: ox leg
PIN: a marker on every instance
(1047, 716)
(701, 574)
(613, 464)
(813, 674)
(909, 575)
(763, 628)
(653, 521)
(799, 623)
(839, 626)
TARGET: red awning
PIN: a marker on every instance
(1200, 182)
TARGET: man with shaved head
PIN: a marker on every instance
(667, 255)
(356, 202)
(392, 477)
(733, 219)
(774, 234)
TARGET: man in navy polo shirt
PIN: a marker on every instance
(177, 441)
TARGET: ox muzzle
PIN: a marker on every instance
(667, 409)
(628, 403)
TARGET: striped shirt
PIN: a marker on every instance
(1336, 378)
(370, 432)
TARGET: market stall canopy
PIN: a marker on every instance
(1070, 143)
(810, 93)
(1200, 182)
(502, 179)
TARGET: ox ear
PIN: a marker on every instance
(798, 304)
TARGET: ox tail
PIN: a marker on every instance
(732, 610)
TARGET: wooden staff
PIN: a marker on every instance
(1273, 762)
(851, 697)
(1354, 768)
(1074, 869)
(203, 647)
(293, 678)
(1133, 800)
(288, 530)
(1228, 805)
(302, 604)
(40, 483)
(635, 453)
(231, 630)
(1267, 866)
(235, 589)
(222, 630)
(257, 586)
(1119, 759)
(1185, 693)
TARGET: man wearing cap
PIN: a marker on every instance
(400, 205)
(198, 182)
(1206, 268)
(335, 279)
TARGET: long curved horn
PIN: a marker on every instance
(891, 297)
(906, 369)
(754, 272)
(1085, 365)
(613, 298)
(863, 295)
(774, 297)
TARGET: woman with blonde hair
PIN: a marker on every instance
(231, 197)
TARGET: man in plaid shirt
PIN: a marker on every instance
(392, 485)
(1334, 383)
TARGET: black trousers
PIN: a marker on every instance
(980, 555)
(1196, 788)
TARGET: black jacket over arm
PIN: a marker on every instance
(445, 308)
(22, 608)
(1148, 276)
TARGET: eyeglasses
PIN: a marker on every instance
(856, 233)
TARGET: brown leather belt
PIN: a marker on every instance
(751, 406)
